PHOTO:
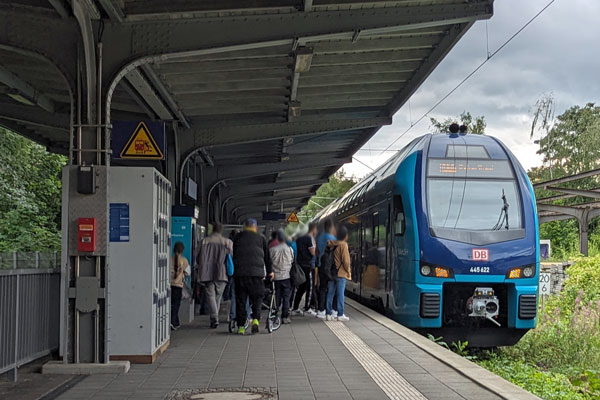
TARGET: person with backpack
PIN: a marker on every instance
(327, 235)
(340, 273)
(181, 269)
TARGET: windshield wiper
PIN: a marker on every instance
(503, 218)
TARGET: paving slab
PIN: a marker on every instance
(308, 359)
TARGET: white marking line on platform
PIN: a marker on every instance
(386, 377)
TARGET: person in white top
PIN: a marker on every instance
(282, 257)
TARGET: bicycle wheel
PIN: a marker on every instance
(232, 326)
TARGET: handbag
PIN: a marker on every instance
(297, 275)
(229, 264)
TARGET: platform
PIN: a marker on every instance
(370, 357)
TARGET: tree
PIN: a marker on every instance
(30, 195)
(568, 145)
(337, 186)
(474, 125)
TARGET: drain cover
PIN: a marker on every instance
(227, 396)
(223, 394)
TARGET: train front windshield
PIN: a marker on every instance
(473, 195)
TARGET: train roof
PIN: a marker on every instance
(440, 146)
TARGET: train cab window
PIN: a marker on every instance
(466, 151)
(472, 195)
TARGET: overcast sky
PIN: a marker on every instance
(559, 52)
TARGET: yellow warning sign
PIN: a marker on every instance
(141, 145)
(293, 217)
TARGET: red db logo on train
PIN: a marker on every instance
(480, 254)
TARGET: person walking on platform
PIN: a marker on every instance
(181, 268)
(274, 241)
(282, 257)
(327, 235)
(212, 270)
(306, 259)
(336, 287)
(252, 261)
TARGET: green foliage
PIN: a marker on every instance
(474, 125)
(30, 194)
(568, 145)
(438, 340)
(547, 385)
(566, 342)
(337, 186)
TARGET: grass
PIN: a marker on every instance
(560, 359)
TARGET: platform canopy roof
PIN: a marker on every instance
(282, 92)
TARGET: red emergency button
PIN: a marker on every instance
(86, 235)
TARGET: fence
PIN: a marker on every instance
(29, 308)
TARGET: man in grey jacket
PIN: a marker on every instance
(212, 270)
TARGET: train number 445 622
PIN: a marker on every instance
(480, 270)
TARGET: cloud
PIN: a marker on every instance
(556, 53)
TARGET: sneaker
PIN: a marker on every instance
(255, 327)
(298, 312)
(334, 313)
(286, 321)
(241, 330)
(321, 314)
(329, 318)
(214, 325)
(310, 312)
(343, 318)
(173, 328)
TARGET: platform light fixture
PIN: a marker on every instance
(19, 97)
(303, 60)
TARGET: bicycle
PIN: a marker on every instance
(273, 319)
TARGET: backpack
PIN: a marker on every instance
(330, 270)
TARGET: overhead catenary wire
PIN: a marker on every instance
(489, 57)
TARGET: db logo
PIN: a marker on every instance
(480, 254)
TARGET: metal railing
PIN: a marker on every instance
(29, 308)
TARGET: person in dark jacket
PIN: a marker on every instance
(252, 262)
(306, 259)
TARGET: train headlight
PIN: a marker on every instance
(528, 271)
(425, 270)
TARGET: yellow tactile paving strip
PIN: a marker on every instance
(386, 377)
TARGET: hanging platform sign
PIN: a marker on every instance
(138, 140)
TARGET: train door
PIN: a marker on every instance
(389, 250)
(354, 246)
(366, 244)
(401, 254)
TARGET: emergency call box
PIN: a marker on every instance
(86, 235)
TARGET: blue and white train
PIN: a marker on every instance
(444, 239)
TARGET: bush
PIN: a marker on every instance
(547, 385)
(566, 341)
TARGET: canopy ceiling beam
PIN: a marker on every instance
(203, 137)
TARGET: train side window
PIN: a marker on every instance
(399, 219)
(375, 228)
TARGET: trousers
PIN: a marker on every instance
(214, 292)
(248, 287)
(176, 294)
(283, 292)
(305, 288)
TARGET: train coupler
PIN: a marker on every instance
(484, 304)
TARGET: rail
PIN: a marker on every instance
(29, 308)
